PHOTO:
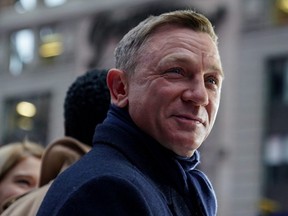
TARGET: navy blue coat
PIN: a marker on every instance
(125, 173)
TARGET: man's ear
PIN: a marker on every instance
(117, 84)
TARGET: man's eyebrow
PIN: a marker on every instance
(213, 66)
(184, 59)
(179, 58)
(217, 69)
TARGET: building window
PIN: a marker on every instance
(280, 12)
(50, 43)
(276, 137)
(22, 49)
(32, 48)
(54, 3)
(264, 13)
(56, 43)
(22, 6)
(26, 116)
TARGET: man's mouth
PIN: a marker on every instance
(190, 118)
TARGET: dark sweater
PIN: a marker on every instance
(129, 173)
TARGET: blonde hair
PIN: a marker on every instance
(11, 154)
(129, 49)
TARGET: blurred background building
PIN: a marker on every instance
(46, 44)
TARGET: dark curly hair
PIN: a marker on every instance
(86, 104)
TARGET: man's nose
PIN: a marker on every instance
(196, 92)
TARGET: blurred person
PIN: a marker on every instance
(165, 94)
(86, 103)
(85, 106)
(19, 169)
(58, 156)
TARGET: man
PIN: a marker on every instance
(165, 93)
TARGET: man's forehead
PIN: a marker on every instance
(212, 57)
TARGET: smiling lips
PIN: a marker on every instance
(190, 118)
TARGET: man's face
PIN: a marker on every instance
(174, 93)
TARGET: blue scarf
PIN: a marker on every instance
(198, 184)
(190, 182)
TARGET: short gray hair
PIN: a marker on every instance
(128, 50)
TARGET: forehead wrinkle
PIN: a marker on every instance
(182, 58)
(184, 40)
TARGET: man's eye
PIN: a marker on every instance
(175, 70)
(212, 80)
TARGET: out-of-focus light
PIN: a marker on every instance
(51, 49)
(268, 205)
(283, 5)
(23, 6)
(273, 154)
(22, 50)
(25, 123)
(26, 109)
(54, 3)
(24, 41)
(52, 46)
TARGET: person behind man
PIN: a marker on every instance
(19, 169)
(86, 104)
(165, 94)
